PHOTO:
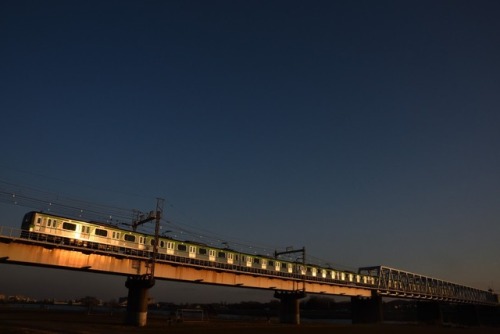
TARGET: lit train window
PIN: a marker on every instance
(69, 226)
(129, 237)
(102, 233)
(51, 223)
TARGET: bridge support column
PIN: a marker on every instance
(468, 315)
(366, 310)
(289, 306)
(429, 312)
(137, 302)
(488, 315)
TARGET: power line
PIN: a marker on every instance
(42, 200)
(49, 202)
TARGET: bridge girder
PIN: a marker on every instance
(23, 252)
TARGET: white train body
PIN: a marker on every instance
(103, 237)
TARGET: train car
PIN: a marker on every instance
(57, 229)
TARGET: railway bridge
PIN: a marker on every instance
(288, 287)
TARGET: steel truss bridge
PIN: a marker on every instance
(387, 281)
(403, 284)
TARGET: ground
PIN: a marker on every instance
(46, 321)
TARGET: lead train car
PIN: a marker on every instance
(57, 229)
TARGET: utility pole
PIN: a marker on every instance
(138, 286)
(142, 219)
(290, 250)
(159, 214)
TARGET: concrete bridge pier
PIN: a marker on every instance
(488, 315)
(366, 310)
(468, 315)
(429, 312)
(289, 306)
(137, 302)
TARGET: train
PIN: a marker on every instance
(98, 236)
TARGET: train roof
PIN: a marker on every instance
(80, 219)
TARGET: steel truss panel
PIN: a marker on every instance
(399, 283)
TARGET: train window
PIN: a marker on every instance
(162, 244)
(152, 242)
(271, 263)
(129, 237)
(181, 247)
(86, 229)
(202, 251)
(116, 235)
(101, 233)
(69, 226)
(222, 255)
(256, 260)
(39, 221)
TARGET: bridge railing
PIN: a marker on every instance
(400, 283)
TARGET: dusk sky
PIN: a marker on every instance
(366, 131)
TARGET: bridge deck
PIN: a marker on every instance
(16, 250)
(388, 281)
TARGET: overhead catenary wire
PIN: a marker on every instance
(45, 201)
(59, 204)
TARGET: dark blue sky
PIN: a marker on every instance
(366, 131)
